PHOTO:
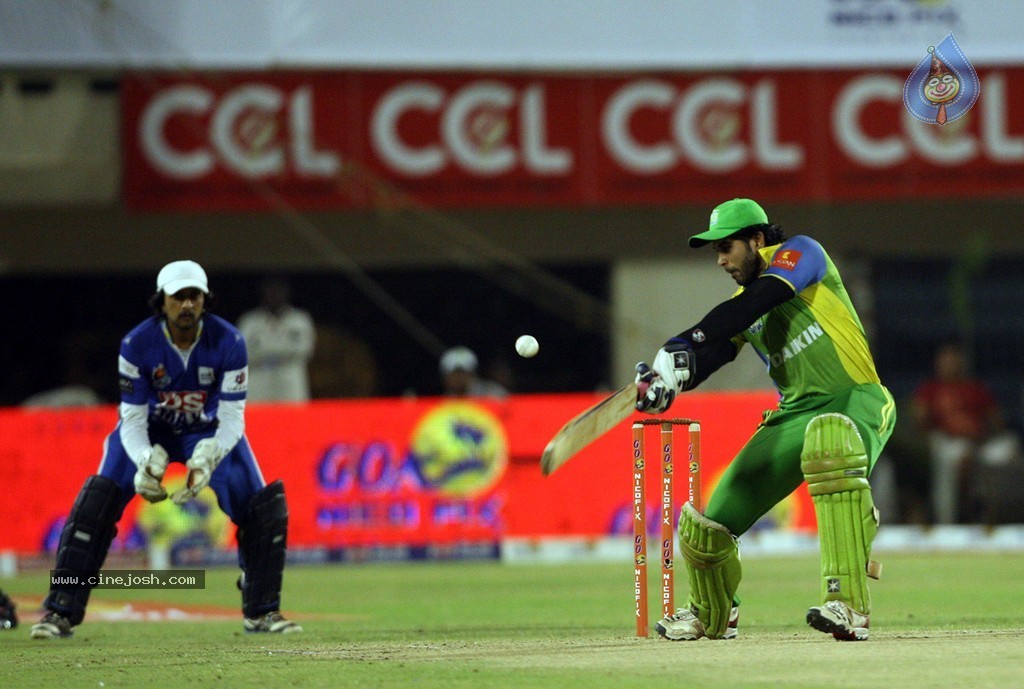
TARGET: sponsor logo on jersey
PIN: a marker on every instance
(235, 381)
(206, 375)
(786, 260)
(188, 401)
(160, 378)
(181, 410)
(797, 344)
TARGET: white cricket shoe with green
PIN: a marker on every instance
(840, 620)
(684, 625)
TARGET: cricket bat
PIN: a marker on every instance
(587, 427)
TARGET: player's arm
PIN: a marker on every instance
(231, 399)
(689, 358)
(234, 385)
(150, 460)
(230, 424)
(796, 265)
(134, 409)
(732, 317)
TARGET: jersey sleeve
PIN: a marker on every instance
(235, 382)
(800, 262)
(133, 384)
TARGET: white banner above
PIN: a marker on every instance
(487, 34)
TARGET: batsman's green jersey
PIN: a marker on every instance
(818, 357)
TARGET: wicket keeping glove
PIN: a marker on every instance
(150, 473)
(205, 458)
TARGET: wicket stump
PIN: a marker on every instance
(667, 511)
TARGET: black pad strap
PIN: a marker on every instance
(262, 542)
(83, 547)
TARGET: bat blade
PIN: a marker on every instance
(587, 427)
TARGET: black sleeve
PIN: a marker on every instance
(710, 358)
(735, 315)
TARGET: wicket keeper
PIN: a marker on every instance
(183, 377)
(833, 419)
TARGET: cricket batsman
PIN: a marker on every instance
(183, 378)
(833, 419)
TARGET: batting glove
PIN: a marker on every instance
(673, 371)
(205, 458)
(657, 399)
(150, 473)
(651, 402)
(676, 365)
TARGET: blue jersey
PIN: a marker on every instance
(183, 388)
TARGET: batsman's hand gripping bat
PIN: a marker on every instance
(587, 427)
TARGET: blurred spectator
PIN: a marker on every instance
(70, 395)
(900, 481)
(459, 377)
(500, 371)
(280, 340)
(82, 375)
(343, 365)
(966, 433)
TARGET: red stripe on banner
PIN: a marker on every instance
(337, 140)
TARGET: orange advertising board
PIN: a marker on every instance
(388, 472)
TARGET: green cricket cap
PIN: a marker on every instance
(728, 218)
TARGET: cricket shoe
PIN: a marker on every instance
(840, 620)
(52, 626)
(684, 625)
(273, 622)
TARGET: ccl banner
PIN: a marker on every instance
(386, 472)
(337, 140)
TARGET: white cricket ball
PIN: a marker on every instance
(527, 346)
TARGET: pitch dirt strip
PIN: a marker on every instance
(925, 658)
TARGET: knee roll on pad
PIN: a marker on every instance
(84, 542)
(262, 542)
(833, 459)
(835, 466)
(713, 563)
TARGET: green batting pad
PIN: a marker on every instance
(713, 563)
(834, 458)
(835, 466)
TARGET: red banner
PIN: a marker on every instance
(388, 471)
(334, 140)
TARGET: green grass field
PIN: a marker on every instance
(939, 621)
